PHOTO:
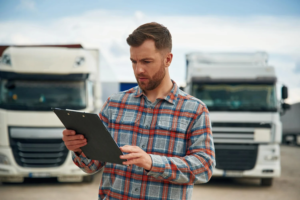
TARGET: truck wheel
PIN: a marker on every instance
(88, 179)
(298, 139)
(266, 181)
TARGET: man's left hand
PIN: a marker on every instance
(136, 156)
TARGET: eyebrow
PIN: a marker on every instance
(142, 59)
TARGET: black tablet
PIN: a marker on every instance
(100, 144)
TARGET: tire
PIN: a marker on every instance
(266, 182)
(297, 139)
(88, 179)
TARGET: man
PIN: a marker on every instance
(165, 133)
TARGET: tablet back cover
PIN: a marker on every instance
(100, 145)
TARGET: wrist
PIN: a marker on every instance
(150, 165)
(78, 152)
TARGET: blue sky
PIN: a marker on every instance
(47, 9)
(208, 26)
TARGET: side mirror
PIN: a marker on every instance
(284, 92)
(285, 106)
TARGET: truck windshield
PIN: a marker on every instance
(236, 97)
(42, 95)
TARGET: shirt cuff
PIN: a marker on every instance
(77, 156)
(158, 165)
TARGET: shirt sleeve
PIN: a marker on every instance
(197, 166)
(88, 165)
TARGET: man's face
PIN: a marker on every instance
(148, 65)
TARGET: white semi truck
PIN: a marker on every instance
(32, 81)
(239, 90)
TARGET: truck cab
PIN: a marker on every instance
(32, 81)
(239, 90)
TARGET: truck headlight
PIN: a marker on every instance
(271, 157)
(4, 160)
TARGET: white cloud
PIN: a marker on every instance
(293, 95)
(108, 31)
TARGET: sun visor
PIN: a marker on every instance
(25, 76)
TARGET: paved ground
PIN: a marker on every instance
(286, 187)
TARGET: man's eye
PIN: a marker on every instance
(146, 61)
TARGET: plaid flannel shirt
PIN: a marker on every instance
(174, 131)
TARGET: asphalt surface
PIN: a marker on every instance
(286, 187)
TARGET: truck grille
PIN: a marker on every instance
(45, 151)
(236, 132)
(235, 157)
(39, 152)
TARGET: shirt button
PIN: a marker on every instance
(147, 126)
(136, 189)
(143, 146)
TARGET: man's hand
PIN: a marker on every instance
(73, 142)
(136, 156)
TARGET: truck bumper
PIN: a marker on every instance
(267, 164)
(12, 172)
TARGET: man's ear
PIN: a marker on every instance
(168, 59)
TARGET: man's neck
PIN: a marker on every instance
(161, 91)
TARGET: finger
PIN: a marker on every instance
(75, 142)
(68, 132)
(132, 162)
(74, 147)
(72, 137)
(130, 149)
(131, 156)
(126, 146)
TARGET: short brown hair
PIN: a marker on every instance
(153, 31)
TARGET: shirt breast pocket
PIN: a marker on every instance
(180, 126)
(127, 117)
(123, 126)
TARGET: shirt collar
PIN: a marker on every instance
(171, 97)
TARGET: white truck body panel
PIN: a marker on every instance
(235, 131)
(29, 124)
(262, 118)
(49, 60)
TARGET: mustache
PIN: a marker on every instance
(142, 76)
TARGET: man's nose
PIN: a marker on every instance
(139, 68)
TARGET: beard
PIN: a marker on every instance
(154, 81)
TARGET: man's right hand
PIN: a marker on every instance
(72, 141)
